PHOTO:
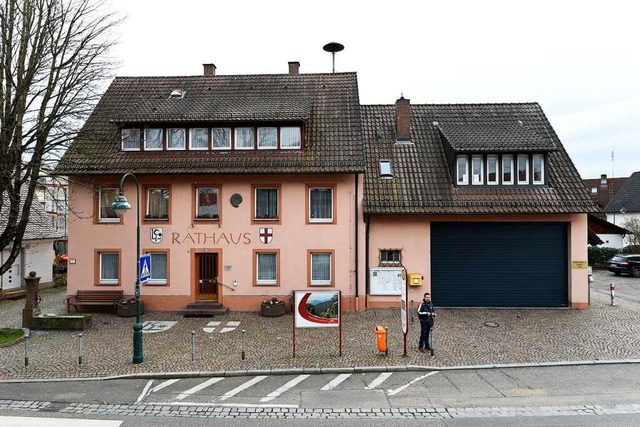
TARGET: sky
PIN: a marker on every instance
(578, 59)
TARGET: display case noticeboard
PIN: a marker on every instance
(387, 280)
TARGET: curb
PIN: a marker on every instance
(299, 371)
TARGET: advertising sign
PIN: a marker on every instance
(317, 309)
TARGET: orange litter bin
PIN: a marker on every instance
(381, 338)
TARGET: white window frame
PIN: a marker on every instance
(266, 282)
(321, 282)
(542, 171)
(385, 169)
(509, 158)
(261, 145)
(192, 131)
(253, 140)
(462, 180)
(477, 179)
(109, 281)
(128, 133)
(148, 200)
(108, 219)
(322, 220)
(154, 281)
(197, 202)
(255, 208)
(146, 138)
(228, 137)
(182, 146)
(283, 131)
(526, 159)
(496, 161)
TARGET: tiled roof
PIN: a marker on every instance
(605, 193)
(422, 182)
(328, 103)
(39, 226)
(628, 197)
(483, 135)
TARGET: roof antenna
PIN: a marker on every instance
(333, 47)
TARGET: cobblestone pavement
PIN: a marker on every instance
(461, 337)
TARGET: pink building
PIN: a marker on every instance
(252, 186)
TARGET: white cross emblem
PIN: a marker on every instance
(221, 327)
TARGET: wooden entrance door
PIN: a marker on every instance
(207, 277)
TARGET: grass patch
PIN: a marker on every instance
(10, 334)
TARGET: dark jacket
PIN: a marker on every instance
(426, 308)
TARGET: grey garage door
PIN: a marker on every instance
(499, 264)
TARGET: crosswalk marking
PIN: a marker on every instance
(399, 389)
(198, 388)
(244, 386)
(164, 384)
(286, 387)
(379, 380)
(335, 382)
(144, 391)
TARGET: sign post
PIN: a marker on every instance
(317, 309)
(403, 314)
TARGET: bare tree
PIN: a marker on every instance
(633, 225)
(53, 59)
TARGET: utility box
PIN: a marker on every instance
(415, 279)
(387, 280)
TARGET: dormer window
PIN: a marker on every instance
(462, 170)
(131, 139)
(507, 169)
(538, 169)
(385, 169)
(477, 170)
(244, 138)
(492, 169)
(290, 137)
(153, 139)
(267, 138)
(500, 169)
(523, 169)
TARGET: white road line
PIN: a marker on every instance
(163, 385)
(335, 382)
(244, 386)
(197, 388)
(55, 422)
(381, 378)
(399, 389)
(221, 405)
(288, 386)
(145, 391)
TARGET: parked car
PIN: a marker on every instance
(625, 264)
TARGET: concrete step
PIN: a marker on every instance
(200, 309)
(204, 304)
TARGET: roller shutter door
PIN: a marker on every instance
(499, 264)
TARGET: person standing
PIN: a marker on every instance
(426, 313)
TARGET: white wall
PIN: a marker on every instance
(620, 218)
(611, 240)
(36, 256)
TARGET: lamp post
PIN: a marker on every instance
(120, 206)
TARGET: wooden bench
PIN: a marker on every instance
(93, 297)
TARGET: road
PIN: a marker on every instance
(626, 287)
(608, 393)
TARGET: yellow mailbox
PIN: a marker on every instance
(415, 279)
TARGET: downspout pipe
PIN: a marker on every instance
(357, 258)
(366, 252)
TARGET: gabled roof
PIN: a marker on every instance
(328, 105)
(605, 192)
(39, 227)
(628, 197)
(422, 182)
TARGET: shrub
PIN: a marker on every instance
(598, 256)
(10, 334)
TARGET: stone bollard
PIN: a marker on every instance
(31, 308)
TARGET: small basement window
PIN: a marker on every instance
(385, 169)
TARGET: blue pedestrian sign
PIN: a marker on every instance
(145, 268)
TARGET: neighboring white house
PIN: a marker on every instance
(625, 205)
(37, 252)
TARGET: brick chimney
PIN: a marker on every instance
(294, 68)
(603, 191)
(403, 120)
(209, 69)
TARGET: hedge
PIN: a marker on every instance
(598, 256)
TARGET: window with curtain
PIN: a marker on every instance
(157, 203)
(266, 203)
(130, 139)
(290, 137)
(244, 138)
(199, 139)
(175, 139)
(266, 268)
(321, 269)
(106, 197)
(109, 268)
(221, 138)
(207, 203)
(477, 170)
(158, 268)
(153, 139)
(321, 204)
(268, 138)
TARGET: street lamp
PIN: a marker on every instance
(121, 205)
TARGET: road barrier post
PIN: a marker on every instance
(612, 288)
(193, 346)
(244, 344)
(80, 349)
(26, 350)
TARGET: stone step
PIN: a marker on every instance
(204, 305)
(204, 312)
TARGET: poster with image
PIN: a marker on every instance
(317, 309)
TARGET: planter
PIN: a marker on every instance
(129, 310)
(272, 310)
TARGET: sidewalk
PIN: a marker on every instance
(461, 338)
